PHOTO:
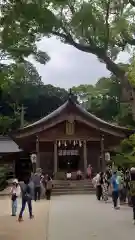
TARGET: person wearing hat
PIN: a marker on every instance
(15, 193)
(132, 190)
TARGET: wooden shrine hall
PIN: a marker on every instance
(69, 138)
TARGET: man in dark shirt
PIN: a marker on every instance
(27, 194)
(132, 190)
(37, 186)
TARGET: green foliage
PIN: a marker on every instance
(104, 100)
(3, 177)
(131, 71)
(104, 25)
(125, 153)
(21, 85)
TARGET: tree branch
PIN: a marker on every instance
(107, 24)
(132, 2)
(71, 6)
(125, 41)
(131, 42)
(83, 47)
(100, 52)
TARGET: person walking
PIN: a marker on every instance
(132, 190)
(105, 188)
(37, 186)
(27, 195)
(99, 182)
(43, 184)
(115, 190)
(15, 193)
(49, 186)
(120, 179)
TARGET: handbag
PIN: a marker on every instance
(13, 198)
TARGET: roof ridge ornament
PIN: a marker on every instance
(71, 96)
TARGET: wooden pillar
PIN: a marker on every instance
(85, 155)
(102, 154)
(37, 153)
(55, 157)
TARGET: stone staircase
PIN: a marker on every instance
(63, 187)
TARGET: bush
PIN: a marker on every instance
(3, 178)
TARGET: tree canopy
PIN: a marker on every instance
(104, 100)
(100, 27)
(23, 86)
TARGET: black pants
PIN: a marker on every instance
(115, 195)
(29, 203)
(48, 194)
(37, 193)
(133, 205)
(79, 177)
(99, 192)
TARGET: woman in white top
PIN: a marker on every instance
(15, 193)
(69, 175)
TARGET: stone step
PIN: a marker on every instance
(72, 181)
(72, 192)
(72, 186)
(73, 189)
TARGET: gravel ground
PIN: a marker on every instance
(76, 217)
(11, 229)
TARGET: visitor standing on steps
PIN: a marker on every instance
(89, 172)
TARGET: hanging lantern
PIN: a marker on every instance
(65, 144)
(59, 144)
(80, 144)
(107, 157)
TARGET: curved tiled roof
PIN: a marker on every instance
(7, 145)
(89, 116)
(49, 116)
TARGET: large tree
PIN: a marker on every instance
(23, 86)
(104, 100)
(100, 27)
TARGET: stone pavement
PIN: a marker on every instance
(82, 217)
(76, 217)
(11, 229)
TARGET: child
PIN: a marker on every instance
(15, 193)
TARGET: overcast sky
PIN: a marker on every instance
(70, 67)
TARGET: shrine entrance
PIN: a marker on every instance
(69, 156)
(68, 160)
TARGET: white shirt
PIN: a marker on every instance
(69, 175)
(16, 190)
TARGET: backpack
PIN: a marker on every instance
(49, 185)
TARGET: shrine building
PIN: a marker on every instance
(69, 138)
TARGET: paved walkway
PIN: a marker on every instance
(84, 218)
(11, 229)
(78, 217)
